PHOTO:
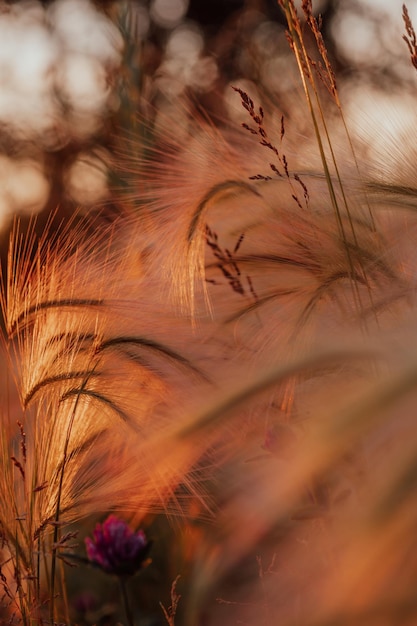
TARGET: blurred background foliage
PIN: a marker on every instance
(76, 76)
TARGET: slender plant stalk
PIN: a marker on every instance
(125, 601)
(58, 504)
(304, 66)
(64, 591)
(307, 72)
(22, 599)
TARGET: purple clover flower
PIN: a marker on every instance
(116, 549)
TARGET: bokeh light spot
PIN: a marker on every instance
(168, 13)
(87, 179)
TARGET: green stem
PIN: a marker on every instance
(125, 599)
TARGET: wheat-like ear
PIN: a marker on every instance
(183, 183)
(79, 317)
(99, 375)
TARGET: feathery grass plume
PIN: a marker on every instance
(182, 185)
(97, 381)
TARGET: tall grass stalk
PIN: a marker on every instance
(307, 73)
(57, 516)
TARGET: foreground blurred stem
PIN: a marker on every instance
(125, 600)
(58, 504)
